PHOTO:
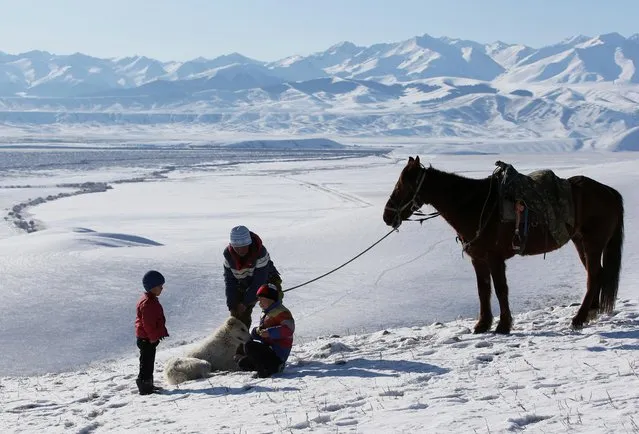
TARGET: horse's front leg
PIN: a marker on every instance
(498, 271)
(482, 272)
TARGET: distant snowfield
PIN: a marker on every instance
(69, 291)
(197, 136)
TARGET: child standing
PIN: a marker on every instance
(149, 329)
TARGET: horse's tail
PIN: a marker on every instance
(612, 263)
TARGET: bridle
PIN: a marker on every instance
(415, 203)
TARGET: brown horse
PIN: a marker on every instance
(470, 206)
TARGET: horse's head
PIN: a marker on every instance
(405, 198)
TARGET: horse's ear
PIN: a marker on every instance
(411, 159)
(417, 159)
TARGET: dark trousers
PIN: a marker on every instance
(147, 359)
(261, 358)
(245, 316)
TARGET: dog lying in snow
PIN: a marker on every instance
(215, 353)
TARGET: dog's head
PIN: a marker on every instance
(238, 330)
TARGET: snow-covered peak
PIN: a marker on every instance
(571, 41)
(507, 55)
(35, 54)
(611, 38)
(498, 45)
(231, 58)
(604, 58)
(343, 47)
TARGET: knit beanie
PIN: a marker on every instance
(152, 279)
(269, 291)
(240, 236)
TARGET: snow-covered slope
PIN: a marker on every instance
(384, 344)
(437, 378)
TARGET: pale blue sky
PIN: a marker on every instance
(272, 29)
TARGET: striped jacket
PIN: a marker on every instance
(243, 275)
(280, 324)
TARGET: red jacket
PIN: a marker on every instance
(149, 320)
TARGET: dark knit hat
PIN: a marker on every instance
(269, 291)
(152, 279)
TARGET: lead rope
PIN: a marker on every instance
(344, 264)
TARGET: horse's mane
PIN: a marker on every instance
(457, 182)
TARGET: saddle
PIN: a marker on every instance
(540, 197)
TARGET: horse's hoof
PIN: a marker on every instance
(502, 329)
(481, 328)
(577, 324)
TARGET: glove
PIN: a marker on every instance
(255, 332)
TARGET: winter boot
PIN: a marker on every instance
(262, 373)
(145, 387)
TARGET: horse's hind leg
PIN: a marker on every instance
(594, 306)
(593, 268)
(482, 272)
(498, 271)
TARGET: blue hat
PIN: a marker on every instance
(240, 236)
(152, 279)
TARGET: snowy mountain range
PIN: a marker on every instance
(583, 89)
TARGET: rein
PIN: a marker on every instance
(430, 215)
(480, 228)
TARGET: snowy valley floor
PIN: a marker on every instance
(438, 378)
(68, 293)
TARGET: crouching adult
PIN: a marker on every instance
(247, 266)
(272, 340)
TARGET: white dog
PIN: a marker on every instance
(215, 353)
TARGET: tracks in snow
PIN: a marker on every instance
(341, 195)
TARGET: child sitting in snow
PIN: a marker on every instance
(150, 329)
(272, 340)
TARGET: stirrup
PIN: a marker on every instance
(516, 243)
